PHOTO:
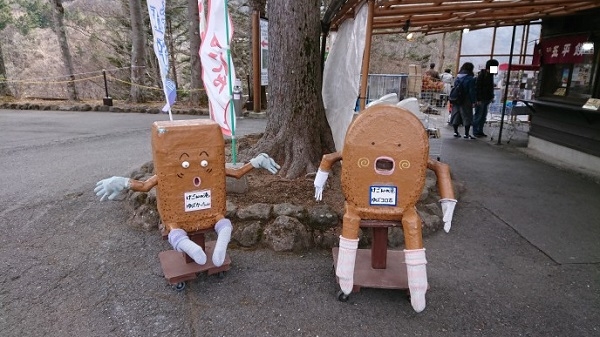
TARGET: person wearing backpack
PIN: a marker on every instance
(463, 98)
(485, 94)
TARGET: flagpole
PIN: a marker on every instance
(229, 82)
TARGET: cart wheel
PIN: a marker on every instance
(179, 286)
(342, 297)
(221, 275)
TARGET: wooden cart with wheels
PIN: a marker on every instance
(377, 267)
(178, 267)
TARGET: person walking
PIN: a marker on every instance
(485, 95)
(447, 78)
(462, 112)
(432, 72)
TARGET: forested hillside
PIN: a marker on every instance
(99, 37)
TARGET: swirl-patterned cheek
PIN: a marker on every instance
(404, 164)
(363, 162)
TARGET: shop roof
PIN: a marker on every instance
(439, 16)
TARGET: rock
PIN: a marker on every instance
(230, 210)
(258, 211)
(287, 234)
(395, 237)
(145, 218)
(295, 211)
(322, 217)
(247, 234)
(326, 239)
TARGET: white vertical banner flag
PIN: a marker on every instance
(217, 68)
(156, 10)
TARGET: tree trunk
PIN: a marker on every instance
(297, 133)
(194, 35)
(259, 5)
(4, 90)
(442, 61)
(59, 29)
(138, 51)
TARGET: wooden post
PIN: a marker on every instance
(256, 60)
(379, 248)
(366, 56)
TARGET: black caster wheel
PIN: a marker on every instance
(342, 297)
(179, 286)
(221, 275)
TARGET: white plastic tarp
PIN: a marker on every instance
(341, 75)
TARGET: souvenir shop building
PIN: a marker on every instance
(565, 119)
(565, 123)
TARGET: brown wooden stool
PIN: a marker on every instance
(378, 267)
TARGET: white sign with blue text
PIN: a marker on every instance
(383, 196)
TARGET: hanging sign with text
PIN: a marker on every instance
(564, 49)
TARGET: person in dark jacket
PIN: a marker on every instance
(485, 95)
(463, 113)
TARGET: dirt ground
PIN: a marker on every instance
(265, 187)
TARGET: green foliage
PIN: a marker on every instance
(5, 14)
(36, 14)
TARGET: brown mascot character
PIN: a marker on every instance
(385, 157)
(189, 161)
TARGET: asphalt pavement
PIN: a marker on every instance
(522, 258)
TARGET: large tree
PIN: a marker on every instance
(297, 133)
(5, 19)
(138, 51)
(59, 29)
(194, 36)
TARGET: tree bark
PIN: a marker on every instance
(297, 133)
(194, 36)
(138, 51)
(259, 5)
(4, 89)
(59, 29)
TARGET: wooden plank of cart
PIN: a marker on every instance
(178, 267)
(377, 267)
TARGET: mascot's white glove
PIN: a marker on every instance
(264, 161)
(416, 273)
(320, 181)
(448, 210)
(111, 187)
(345, 264)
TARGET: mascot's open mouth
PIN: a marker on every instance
(384, 165)
(197, 181)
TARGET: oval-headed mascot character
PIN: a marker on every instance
(384, 162)
(189, 162)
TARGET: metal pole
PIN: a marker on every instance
(512, 47)
(230, 87)
(105, 84)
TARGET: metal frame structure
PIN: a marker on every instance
(439, 16)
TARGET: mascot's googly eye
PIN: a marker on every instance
(185, 164)
(204, 163)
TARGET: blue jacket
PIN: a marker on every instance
(468, 83)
